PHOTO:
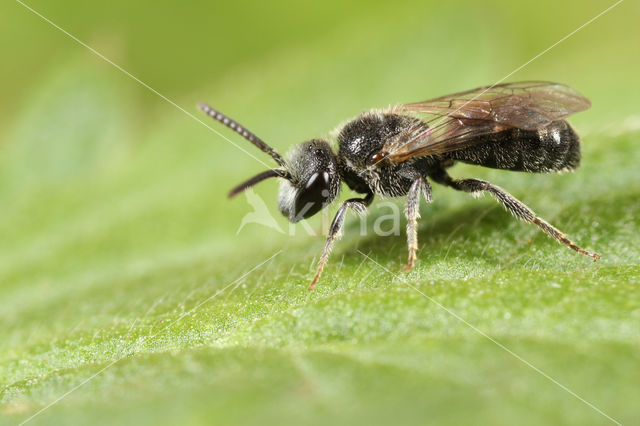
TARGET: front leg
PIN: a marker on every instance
(419, 187)
(357, 204)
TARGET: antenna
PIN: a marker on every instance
(242, 131)
(259, 178)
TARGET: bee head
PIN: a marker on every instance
(314, 183)
(310, 178)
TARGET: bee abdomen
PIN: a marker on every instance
(552, 148)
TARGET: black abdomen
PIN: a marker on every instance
(552, 148)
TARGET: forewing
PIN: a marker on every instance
(454, 121)
(526, 105)
(444, 135)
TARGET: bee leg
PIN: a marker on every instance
(359, 205)
(420, 187)
(512, 204)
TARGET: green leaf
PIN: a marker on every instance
(128, 294)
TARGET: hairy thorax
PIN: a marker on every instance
(362, 138)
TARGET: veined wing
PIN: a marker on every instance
(453, 122)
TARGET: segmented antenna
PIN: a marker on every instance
(242, 131)
(257, 179)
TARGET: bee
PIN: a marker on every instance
(396, 151)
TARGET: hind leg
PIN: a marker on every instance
(512, 204)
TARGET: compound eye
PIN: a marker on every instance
(313, 197)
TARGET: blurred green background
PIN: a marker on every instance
(114, 224)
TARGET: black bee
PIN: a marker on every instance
(391, 152)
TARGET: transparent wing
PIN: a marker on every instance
(455, 121)
(448, 134)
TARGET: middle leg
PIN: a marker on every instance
(420, 187)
